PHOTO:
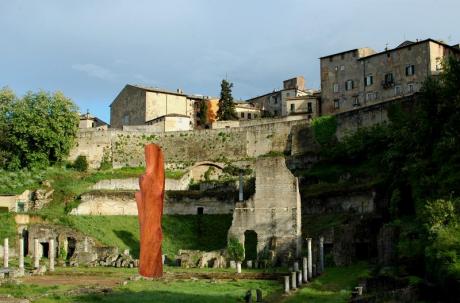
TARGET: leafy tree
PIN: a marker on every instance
(203, 113)
(39, 129)
(226, 109)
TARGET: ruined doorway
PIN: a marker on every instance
(200, 210)
(362, 251)
(71, 246)
(45, 249)
(250, 245)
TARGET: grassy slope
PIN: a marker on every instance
(334, 286)
(180, 232)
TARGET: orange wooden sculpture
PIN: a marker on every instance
(150, 209)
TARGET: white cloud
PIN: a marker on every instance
(95, 71)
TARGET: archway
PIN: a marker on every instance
(250, 245)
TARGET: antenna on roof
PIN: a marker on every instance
(386, 46)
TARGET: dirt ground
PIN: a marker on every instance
(79, 280)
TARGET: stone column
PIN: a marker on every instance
(5, 253)
(241, 197)
(51, 254)
(36, 255)
(238, 267)
(299, 278)
(305, 270)
(85, 245)
(293, 280)
(286, 284)
(21, 255)
(296, 266)
(310, 258)
(321, 255)
(249, 263)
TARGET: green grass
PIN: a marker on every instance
(201, 291)
(179, 232)
(333, 286)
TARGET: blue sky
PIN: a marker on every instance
(90, 49)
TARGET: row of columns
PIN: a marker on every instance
(36, 256)
(308, 271)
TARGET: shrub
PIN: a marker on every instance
(80, 164)
(235, 249)
(324, 129)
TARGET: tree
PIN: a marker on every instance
(203, 113)
(39, 129)
(226, 109)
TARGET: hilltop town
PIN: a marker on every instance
(305, 183)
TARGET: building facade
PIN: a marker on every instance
(363, 77)
(275, 104)
(135, 105)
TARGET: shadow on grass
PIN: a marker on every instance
(129, 240)
(158, 297)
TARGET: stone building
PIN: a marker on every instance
(15, 203)
(89, 121)
(275, 104)
(136, 105)
(363, 77)
(170, 122)
(247, 111)
(273, 214)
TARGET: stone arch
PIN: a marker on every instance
(198, 170)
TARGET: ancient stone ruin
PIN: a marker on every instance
(273, 213)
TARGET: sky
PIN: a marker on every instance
(90, 49)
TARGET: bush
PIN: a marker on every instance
(324, 129)
(80, 164)
(235, 249)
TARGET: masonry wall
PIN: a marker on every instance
(126, 148)
(274, 211)
(106, 203)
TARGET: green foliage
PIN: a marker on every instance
(439, 214)
(37, 130)
(208, 173)
(203, 113)
(8, 227)
(226, 109)
(235, 171)
(235, 249)
(80, 164)
(324, 129)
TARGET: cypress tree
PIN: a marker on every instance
(226, 109)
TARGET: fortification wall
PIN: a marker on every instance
(125, 148)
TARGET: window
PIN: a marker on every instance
(276, 100)
(21, 207)
(331, 58)
(200, 211)
(242, 115)
(438, 63)
(292, 107)
(398, 90)
(275, 112)
(342, 67)
(410, 88)
(288, 94)
(309, 107)
(371, 96)
(249, 116)
(368, 80)
(125, 120)
(255, 116)
(356, 101)
(336, 104)
(389, 78)
(349, 85)
(335, 88)
(410, 70)
(336, 68)
(342, 56)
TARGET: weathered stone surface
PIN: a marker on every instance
(274, 212)
(150, 208)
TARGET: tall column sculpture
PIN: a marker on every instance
(309, 258)
(21, 255)
(321, 254)
(150, 210)
(51, 254)
(5, 253)
(36, 255)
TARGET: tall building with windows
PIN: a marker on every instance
(363, 77)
